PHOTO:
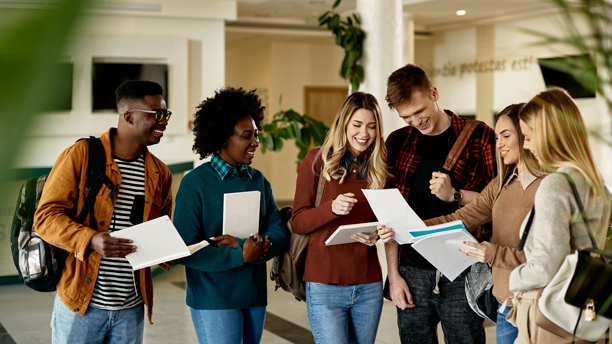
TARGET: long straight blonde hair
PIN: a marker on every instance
(335, 145)
(560, 136)
(525, 156)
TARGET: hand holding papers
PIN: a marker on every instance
(343, 234)
(157, 241)
(241, 213)
(392, 210)
(441, 248)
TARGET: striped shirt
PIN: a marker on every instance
(116, 284)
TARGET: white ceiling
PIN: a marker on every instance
(429, 15)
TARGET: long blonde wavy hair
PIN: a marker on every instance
(525, 156)
(560, 135)
(335, 145)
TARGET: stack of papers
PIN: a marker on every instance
(157, 241)
(438, 244)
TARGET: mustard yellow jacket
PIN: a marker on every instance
(62, 200)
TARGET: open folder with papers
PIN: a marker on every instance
(157, 241)
(440, 245)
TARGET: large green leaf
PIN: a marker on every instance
(28, 52)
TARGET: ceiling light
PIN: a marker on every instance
(461, 12)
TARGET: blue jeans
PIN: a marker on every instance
(341, 315)
(505, 332)
(97, 325)
(229, 326)
(418, 325)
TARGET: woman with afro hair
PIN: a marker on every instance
(226, 281)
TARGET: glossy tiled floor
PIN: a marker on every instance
(25, 316)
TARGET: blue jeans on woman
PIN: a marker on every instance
(344, 314)
(505, 332)
(229, 326)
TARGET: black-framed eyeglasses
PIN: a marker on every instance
(159, 114)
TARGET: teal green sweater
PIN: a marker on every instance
(216, 276)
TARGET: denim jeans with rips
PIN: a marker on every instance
(344, 314)
(449, 306)
(97, 326)
(229, 326)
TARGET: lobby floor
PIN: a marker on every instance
(25, 316)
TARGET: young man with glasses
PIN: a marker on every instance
(99, 298)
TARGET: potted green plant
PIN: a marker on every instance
(306, 131)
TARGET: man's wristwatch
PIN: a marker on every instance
(457, 196)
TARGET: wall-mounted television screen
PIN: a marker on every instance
(106, 77)
(61, 100)
(555, 77)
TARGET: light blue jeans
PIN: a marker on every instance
(505, 332)
(97, 325)
(342, 315)
(229, 326)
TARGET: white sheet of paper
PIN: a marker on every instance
(157, 241)
(442, 251)
(343, 234)
(392, 210)
(241, 213)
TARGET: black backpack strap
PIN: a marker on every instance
(526, 230)
(96, 178)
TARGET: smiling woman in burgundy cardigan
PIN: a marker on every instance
(343, 282)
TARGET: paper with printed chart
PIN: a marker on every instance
(241, 213)
(441, 249)
(343, 234)
(157, 241)
(392, 210)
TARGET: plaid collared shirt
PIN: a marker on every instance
(474, 169)
(223, 168)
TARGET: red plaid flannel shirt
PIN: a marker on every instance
(474, 169)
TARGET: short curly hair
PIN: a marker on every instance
(216, 117)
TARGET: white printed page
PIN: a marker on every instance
(392, 210)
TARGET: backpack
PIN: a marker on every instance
(288, 267)
(40, 264)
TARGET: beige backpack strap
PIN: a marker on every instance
(320, 188)
(459, 145)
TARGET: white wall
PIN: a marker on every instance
(515, 71)
(282, 68)
(189, 36)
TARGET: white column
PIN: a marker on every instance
(382, 21)
(383, 53)
(408, 39)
